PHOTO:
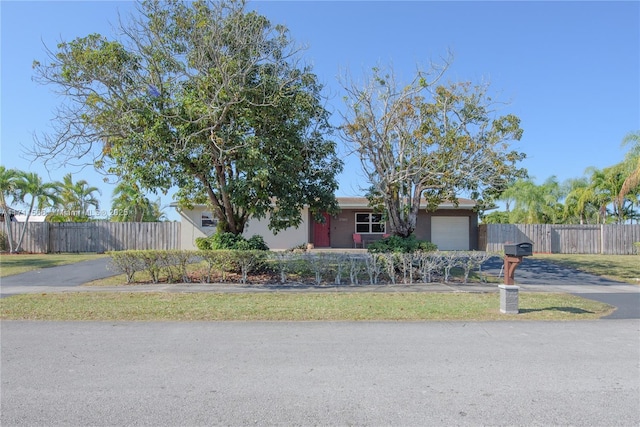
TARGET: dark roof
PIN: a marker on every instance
(363, 202)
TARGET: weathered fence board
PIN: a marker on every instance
(97, 236)
(610, 239)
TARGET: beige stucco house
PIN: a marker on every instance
(450, 227)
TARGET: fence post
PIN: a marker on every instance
(601, 239)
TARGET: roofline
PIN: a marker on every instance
(363, 203)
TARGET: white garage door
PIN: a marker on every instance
(450, 233)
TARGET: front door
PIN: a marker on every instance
(322, 232)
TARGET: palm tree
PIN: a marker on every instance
(131, 205)
(632, 181)
(76, 199)
(534, 204)
(606, 184)
(40, 194)
(580, 203)
(8, 178)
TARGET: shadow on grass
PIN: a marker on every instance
(572, 310)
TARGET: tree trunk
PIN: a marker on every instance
(7, 223)
(24, 227)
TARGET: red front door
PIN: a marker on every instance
(322, 232)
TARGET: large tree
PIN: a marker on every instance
(205, 96)
(427, 140)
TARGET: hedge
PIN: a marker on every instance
(320, 268)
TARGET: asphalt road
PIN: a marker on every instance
(320, 373)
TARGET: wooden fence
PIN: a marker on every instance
(45, 237)
(610, 239)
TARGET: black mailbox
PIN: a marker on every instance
(520, 249)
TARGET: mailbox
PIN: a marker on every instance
(520, 249)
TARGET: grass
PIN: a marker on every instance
(158, 306)
(21, 263)
(624, 268)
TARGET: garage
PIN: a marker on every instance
(450, 233)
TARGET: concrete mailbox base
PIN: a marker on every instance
(509, 299)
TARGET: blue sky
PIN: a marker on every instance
(569, 70)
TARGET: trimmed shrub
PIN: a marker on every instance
(202, 243)
(174, 263)
(248, 261)
(320, 268)
(257, 243)
(127, 262)
(230, 241)
(219, 261)
(4, 242)
(401, 245)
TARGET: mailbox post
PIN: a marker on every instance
(513, 254)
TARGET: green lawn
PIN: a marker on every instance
(21, 263)
(625, 268)
(277, 306)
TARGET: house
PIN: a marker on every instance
(12, 214)
(32, 218)
(450, 227)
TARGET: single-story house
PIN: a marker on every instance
(12, 214)
(450, 227)
(32, 218)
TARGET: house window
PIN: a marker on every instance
(208, 220)
(369, 223)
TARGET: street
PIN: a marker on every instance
(320, 373)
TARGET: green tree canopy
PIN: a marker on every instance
(203, 96)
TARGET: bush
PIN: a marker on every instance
(321, 268)
(4, 242)
(127, 262)
(637, 245)
(257, 243)
(219, 261)
(202, 243)
(230, 241)
(401, 245)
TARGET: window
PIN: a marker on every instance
(207, 220)
(369, 223)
